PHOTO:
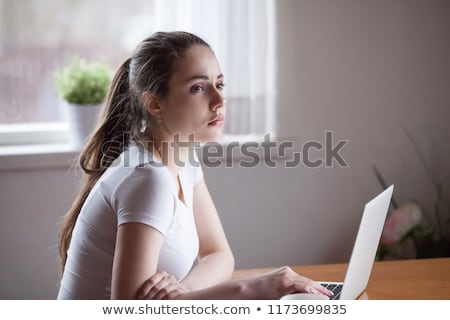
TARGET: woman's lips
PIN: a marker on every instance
(216, 121)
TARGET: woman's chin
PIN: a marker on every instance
(211, 137)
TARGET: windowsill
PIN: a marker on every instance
(63, 155)
(37, 156)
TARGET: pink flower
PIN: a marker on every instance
(399, 222)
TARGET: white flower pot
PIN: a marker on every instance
(82, 120)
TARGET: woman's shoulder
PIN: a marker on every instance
(135, 155)
(135, 167)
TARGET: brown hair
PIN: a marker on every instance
(148, 69)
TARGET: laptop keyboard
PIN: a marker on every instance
(335, 288)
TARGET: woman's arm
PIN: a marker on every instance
(135, 258)
(216, 261)
(271, 285)
(137, 251)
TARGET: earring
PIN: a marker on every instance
(159, 119)
(143, 126)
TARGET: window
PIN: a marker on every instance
(38, 37)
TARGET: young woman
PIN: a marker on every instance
(144, 225)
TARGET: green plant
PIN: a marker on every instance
(83, 83)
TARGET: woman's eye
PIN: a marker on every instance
(196, 89)
(220, 86)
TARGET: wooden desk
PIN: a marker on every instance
(419, 279)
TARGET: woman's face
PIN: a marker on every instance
(195, 103)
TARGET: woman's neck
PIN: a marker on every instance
(174, 153)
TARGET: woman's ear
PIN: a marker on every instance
(152, 104)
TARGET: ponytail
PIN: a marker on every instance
(108, 141)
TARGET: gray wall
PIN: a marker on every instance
(360, 69)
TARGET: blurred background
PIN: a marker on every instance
(375, 73)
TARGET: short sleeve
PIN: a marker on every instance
(197, 170)
(145, 196)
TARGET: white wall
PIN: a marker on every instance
(33, 202)
(357, 68)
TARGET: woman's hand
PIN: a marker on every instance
(283, 281)
(160, 286)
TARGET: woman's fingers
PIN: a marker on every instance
(153, 285)
(309, 286)
(148, 285)
(298, 283)
(319, 289)
(160, 286)
(164, 289)
(169, 292)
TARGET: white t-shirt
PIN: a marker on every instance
(135, 188)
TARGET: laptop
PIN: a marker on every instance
(364, 249)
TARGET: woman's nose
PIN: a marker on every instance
(218, 100)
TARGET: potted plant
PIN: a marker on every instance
(413, 229)
(83, 87)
